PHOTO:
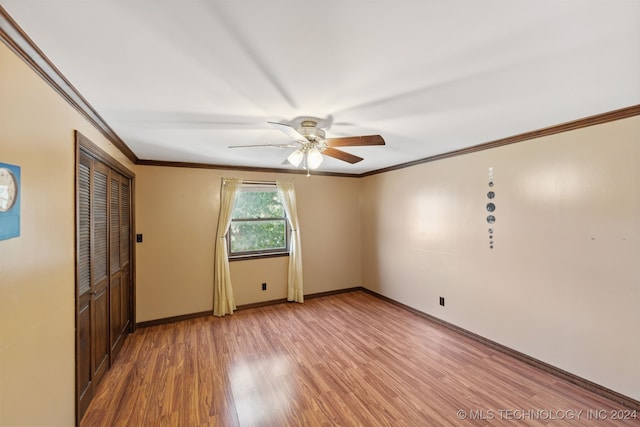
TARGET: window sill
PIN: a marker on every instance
(257, 256)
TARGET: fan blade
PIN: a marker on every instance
(341, 155)
(266, 145)
(354, 141)
(293, 134)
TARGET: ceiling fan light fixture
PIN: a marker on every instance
(314, 158)
(295, 158)
(312, 144)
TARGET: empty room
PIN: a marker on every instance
(296, 213)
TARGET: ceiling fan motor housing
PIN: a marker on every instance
(313, 134)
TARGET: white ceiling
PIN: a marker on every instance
(183, 80)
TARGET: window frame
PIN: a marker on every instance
(262, 253)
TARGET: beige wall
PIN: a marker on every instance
(37, 347)
(563, 281)
(177, 212)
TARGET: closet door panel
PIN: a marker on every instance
(84, 371)
(125, 255)
(119, 214)
(100, 286)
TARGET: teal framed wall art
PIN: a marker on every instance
(10, 194)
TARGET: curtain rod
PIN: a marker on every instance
(251, 182)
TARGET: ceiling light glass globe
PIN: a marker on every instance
(295, 158)
(314, 158)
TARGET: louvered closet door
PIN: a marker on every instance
(83, 301)
(119, 199)
(93, 276)
(104, 291)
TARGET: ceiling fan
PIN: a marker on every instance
(311, 143)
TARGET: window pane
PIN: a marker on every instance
(252, 236)
(263, 204)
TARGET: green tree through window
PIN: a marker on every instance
(259, 224)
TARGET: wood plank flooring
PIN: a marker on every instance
(350, 359)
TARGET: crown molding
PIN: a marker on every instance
(143, 162)
(597, 119)
(19, 42)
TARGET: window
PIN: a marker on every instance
(259, 226)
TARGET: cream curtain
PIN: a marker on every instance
(294, 287)
(223, 302)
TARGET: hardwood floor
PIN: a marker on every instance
(348, 359)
